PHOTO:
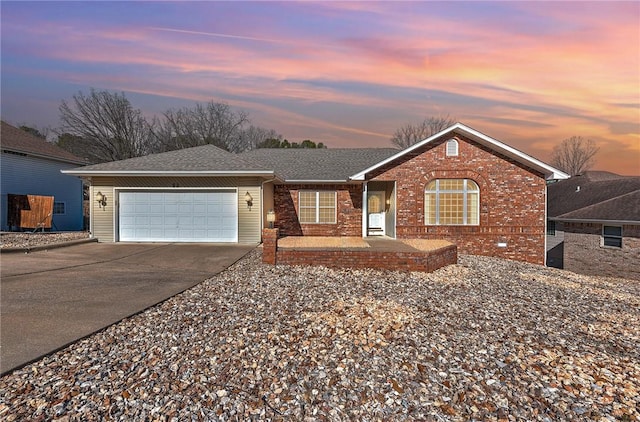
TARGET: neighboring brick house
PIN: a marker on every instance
(31, 166)
(595, 222)
(459, 185)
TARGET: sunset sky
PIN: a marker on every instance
(348, 74)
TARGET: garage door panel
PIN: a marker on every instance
(170, 208)
(170, 233)
(156, 220)
(178, 216)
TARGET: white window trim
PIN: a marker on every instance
(456, 146)
(317, 207)
(611, 236)
(465, 191)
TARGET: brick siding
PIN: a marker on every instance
(269, 245)
(512, 200)
(349, 211)
(584, 254)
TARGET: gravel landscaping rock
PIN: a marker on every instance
(29, 240)
(487, 339)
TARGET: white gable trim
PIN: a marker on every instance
(549, 172)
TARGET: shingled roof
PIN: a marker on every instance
(595, 196)
(17, 140)
(318, 165)
(202, 160)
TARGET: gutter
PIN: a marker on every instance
(155, 173)
(44, 156)
(595, 220)
(317, 181)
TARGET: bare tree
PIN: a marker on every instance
(411, 134)
(211, 123)
(81, 148)
(254, 136)
(109, 123)
(574, 155)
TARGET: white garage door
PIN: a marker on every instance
(210, 216)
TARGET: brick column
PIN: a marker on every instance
(269, 245)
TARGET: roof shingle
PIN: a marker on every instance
(17, 140)
(306, 164)
(205, 158)
(595, 196)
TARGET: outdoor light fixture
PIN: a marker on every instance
(271, 218)
(249, 199)
(102, 199)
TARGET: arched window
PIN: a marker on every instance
(452, 148)
(452, 202)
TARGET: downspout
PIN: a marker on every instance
(546, 189)
(91, 216)
(365, 189)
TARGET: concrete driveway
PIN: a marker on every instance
(52, 298)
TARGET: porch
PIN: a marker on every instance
(356, 252)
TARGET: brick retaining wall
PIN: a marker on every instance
(426, 261)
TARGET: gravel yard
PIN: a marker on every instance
(28, 239)
(486, 339)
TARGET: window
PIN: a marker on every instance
(452, 202)
(317, 207)
(612, 236)
(58, 207)
(452, 148)
(551, 228)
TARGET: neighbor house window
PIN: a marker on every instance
(551, 228)
(58, 207)
(612, 236)
(317, 207)
(452, 202)
(452, 148)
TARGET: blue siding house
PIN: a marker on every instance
(31, 166)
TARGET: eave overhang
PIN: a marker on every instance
(180, 173)
(316, 181)
(44, 156)
(594, 220)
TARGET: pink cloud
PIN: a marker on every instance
(582, 65)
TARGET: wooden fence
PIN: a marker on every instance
(29, 211)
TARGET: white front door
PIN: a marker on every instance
(178, 216)
(376, 213)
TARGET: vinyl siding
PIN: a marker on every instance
(102, 218)
(249, 230)
(249, 220)
(26, 175)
